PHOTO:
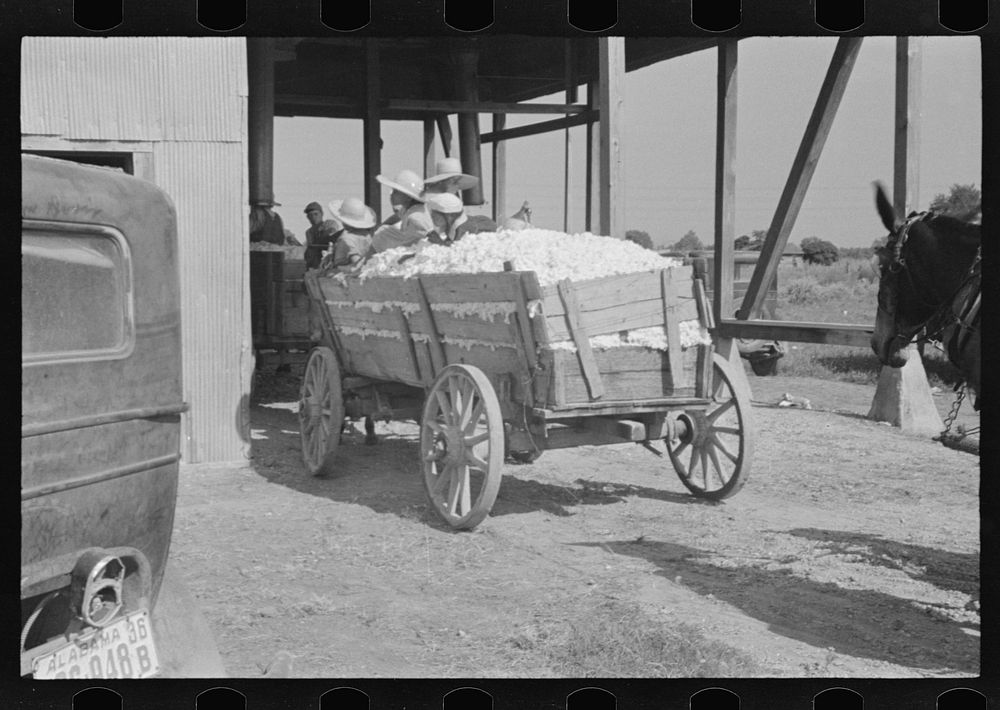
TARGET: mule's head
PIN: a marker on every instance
(895, 322)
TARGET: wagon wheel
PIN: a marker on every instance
(462, 445)
(713, 457)
(321, 411)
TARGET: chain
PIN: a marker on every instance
(950, 419)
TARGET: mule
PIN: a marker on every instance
(929, 288)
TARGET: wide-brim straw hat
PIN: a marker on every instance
(407, 182)
(444, 202)
(353, 212)
(451, 169)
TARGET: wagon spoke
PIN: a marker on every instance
(436, 426)
(693, 461)
(473, 422)
(316, 446)
(476, 462)
(721, 410)
(445, 405)
(726, 430)
(716, 464)
(456, 397)
(722, 447)
(443, 477)
(471, 441)
(468, 396)
(457, 483)
(680, 449)
(465, 487)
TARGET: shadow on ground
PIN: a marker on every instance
(387, 478)
(821, 614)
(944, 569)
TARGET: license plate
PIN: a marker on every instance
(123, 649)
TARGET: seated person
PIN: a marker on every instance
(266, 224)
(451, 223)
(320, 235)
(409, 222)
(449, 178)
(354, 243)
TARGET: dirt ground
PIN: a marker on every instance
(853, 550)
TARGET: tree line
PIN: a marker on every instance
(962, 201)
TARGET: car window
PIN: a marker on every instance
(76, 299)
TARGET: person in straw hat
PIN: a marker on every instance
(449, 178)
(409, 222)
(354, 243)
(451, 223)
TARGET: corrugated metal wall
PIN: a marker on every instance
(188, 97)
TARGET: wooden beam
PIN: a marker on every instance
(469, 139)
(567, 143)
(260, 118)
(430, 159)
(725, 179)
(588, 208)
(817, 130)
(672, 326)
(611, 104)
(372, 129)
(444, 130)
(581, 338)
(499, 171)
(906, 158)
(480, 107)
(533, 129)
(829, 333)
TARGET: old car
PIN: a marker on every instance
(101, 414)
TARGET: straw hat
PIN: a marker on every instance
(407, 182)
(353, 212)
(444, 202)
(449, 168)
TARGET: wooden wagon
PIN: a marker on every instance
(495, 366)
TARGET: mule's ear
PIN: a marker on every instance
(885, 209)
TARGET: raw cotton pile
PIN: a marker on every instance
(553, 256)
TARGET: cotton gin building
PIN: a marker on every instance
(171, 110)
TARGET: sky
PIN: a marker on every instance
(669, 143)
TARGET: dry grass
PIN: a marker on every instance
(618, 639)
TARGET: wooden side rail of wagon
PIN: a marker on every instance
(494, 365)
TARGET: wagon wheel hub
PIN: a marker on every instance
(311, 407)
(440, 449)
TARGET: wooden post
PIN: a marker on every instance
(906, 159)
(444, 129)
(611, 93)
(818, 128)
(499, 171)
(902, 396)
(725, 180)
(588, 209)
(567, 146)
(429, 154)
(468, 124)
(372, 129)
(260, 116)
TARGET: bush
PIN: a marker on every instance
(819, 251)
(640, 237)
